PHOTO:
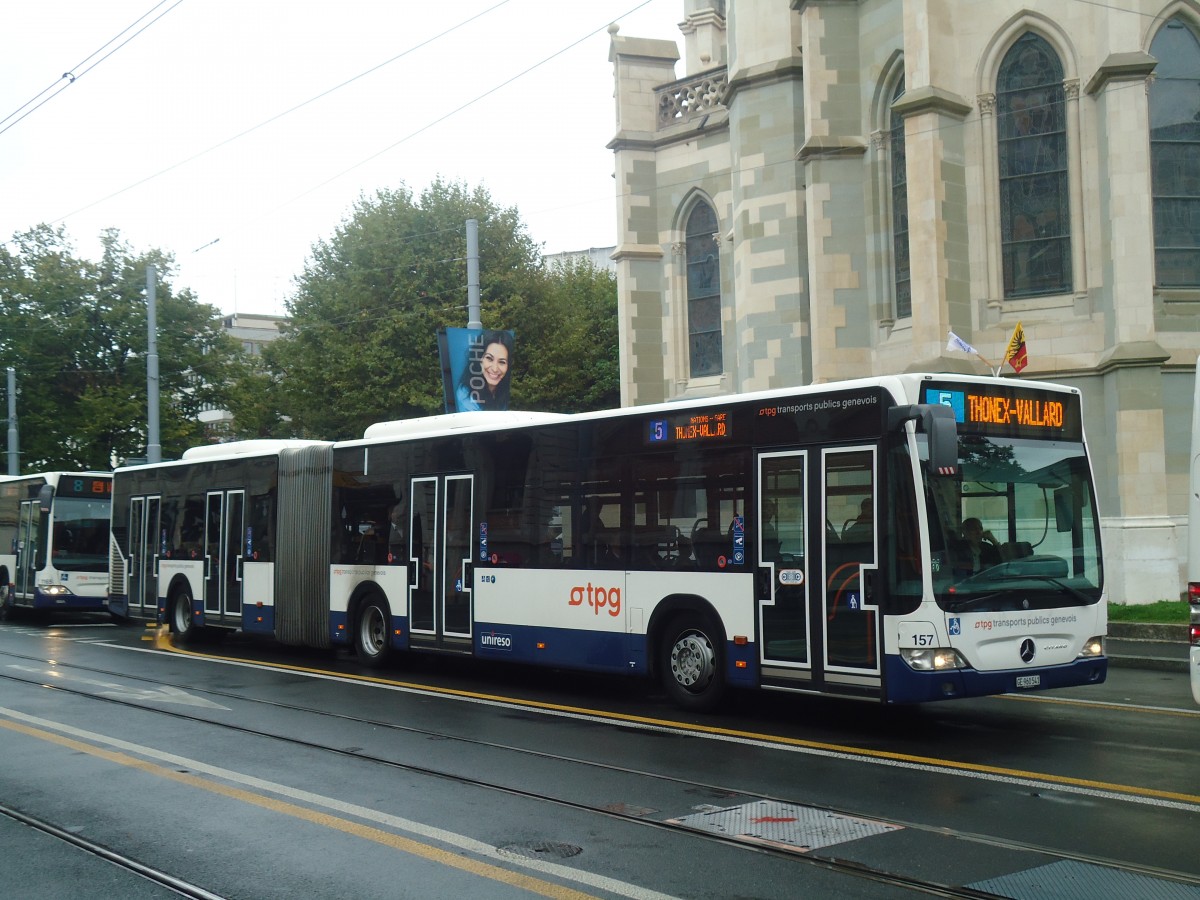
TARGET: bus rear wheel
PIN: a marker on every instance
(182, 621)
(372, 633)
(690, 663)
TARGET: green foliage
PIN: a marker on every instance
(1163, 612)
(568, 343)
(75, 331)
(361, 346)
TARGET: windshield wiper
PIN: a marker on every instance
(1061, 585)
(968, 602)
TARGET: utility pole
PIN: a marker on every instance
(153, 447)
(473, 314)
(14, 454)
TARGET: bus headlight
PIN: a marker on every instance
(932, 659)
(1093, 646)
(54, 590)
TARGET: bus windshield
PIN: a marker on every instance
(1017, 529)
(80, 536)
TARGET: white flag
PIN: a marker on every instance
(957, 343)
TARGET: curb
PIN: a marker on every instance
(1139, 631)
(1134, 645)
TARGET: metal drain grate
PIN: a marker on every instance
(784, 825)
(1070, 880)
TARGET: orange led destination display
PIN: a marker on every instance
(690, 427)
(1016, 410)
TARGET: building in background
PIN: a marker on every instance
(599, 257)
(252, 331)
(829, 188)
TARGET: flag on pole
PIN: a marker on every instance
(1015, 355)
(957, 343)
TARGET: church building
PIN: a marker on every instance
(825, 189)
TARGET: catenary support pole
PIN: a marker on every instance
(153, 447)
(14, 450)
(474, 319)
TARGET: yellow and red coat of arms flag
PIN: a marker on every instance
(1015, 355)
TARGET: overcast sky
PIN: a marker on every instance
(180, 127)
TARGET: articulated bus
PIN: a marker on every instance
(54, 537)
(896, 539)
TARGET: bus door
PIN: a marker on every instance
(29, 524)
(144, 546)
(440, 545)
(224, 525)
(783, 579)
(848, 612)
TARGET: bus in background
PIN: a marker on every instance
(896, 539)
(54, 541)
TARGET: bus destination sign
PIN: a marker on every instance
(84, 486)
(689, 428)
(1010, 410)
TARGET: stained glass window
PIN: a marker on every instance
(901, 274)
(1175, 155)
(1035, 222)
(703, 292)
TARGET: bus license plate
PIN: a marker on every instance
(1029, 681)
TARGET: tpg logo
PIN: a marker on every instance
(496, 641)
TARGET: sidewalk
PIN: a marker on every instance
(1162, 647)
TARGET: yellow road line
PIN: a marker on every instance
(387, 839)
(936, 762)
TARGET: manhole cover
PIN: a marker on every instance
(542, 850)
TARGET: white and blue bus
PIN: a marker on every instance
(54, 538)
(898, 539)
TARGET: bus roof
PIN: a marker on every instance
(455, 421)
(257, 447)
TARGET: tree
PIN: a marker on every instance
(361, 346)
(569, 342)
(75, 331)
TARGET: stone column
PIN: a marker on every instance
(836, 191)
(1139, 531)
(938, 231)
(766, 125)
(639, 65)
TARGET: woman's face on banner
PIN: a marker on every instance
(495, 364)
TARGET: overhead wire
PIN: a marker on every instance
(444, 117)
(77, 71)
(279, 116)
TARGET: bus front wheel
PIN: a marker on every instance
(690, 663)
(372, 634)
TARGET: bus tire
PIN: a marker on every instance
(690, 663)
(372, 632)
(181, 620)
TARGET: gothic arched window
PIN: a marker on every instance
(901, 273)
(1035, 221)
(1175, 155)
(703, 292)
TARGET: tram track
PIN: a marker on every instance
(843, 866)
(159, 877)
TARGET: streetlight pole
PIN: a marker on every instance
(153, 447)
(14, 454)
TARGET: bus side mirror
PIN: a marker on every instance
(45, 495)
(940, 428)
